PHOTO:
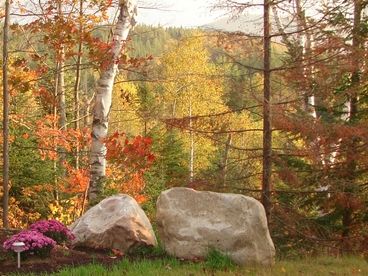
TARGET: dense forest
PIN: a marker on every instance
(188, 109)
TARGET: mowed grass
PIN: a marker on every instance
(169, 266)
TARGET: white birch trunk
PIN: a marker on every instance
(191, 159)
(126, 20)
(61, 85)
(61, 93)
(304, 40)
(62, 108)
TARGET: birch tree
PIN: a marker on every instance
(192, 90)
(103, 99)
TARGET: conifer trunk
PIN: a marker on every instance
(103, 98)
(267, 129)
(351, 166)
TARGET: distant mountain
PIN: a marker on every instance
(249, 24)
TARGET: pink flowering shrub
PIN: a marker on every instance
(35, 243)
(53, 229)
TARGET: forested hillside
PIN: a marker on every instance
(188, 110)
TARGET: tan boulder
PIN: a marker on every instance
(192, 222)
(117, 222)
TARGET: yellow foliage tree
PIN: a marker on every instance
(192, 87)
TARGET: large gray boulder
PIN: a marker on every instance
(192, 222)
(117, 222)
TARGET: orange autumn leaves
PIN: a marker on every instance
(52, 140)
(134, 153)
(128, 159)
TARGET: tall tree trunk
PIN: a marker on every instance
(224, 162)
(267, 129)
(299, 49)
(61, 92)
(126, 20)
(59, 109)
(347, 217)
(5, 217)
(61, 95)
(191, 135)
(61, 82)
(304, 41)
(78, 81)
(55, 127)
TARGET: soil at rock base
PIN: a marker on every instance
(60, 257)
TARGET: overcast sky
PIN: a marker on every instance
(187, 13)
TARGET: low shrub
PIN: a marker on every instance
(35, 243)
(54, 230)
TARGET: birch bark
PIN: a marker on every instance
(191, 158)
(103, 98)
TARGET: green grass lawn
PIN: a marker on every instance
(169, 266)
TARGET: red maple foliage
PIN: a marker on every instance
(129, 158)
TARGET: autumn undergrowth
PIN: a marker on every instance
(354, 265)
